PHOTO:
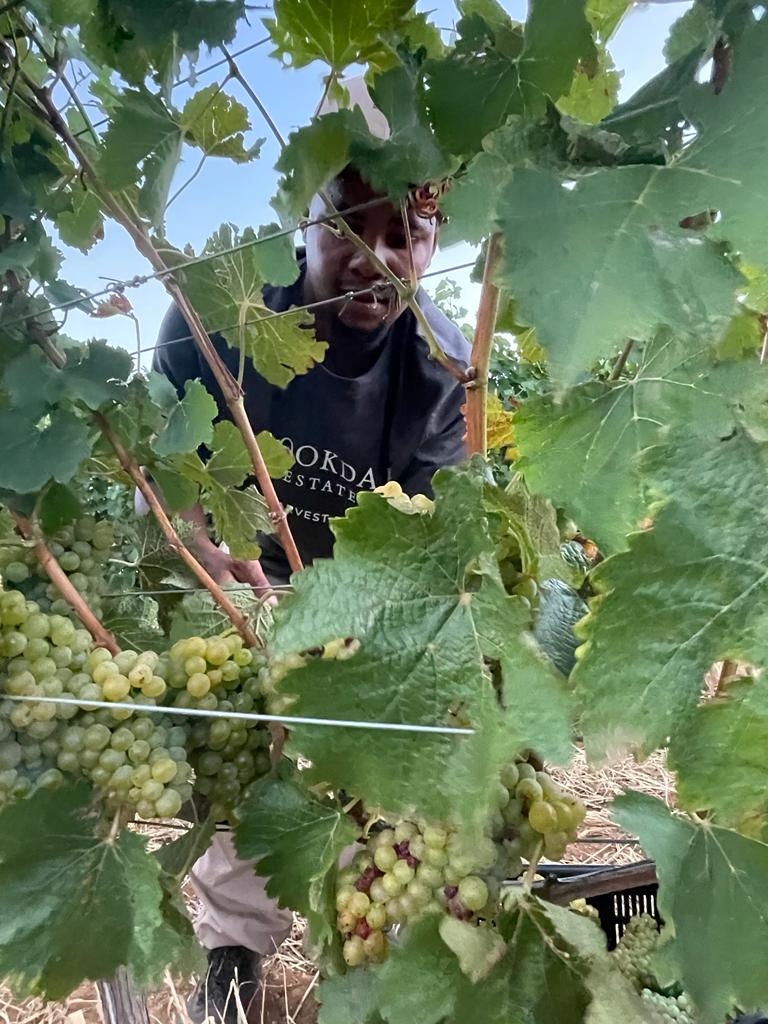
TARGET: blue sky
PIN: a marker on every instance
(227, 192)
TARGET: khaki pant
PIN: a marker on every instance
(234, 907)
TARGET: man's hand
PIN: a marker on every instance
(220, 563)
(226, 569)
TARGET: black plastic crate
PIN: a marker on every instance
(621, 897)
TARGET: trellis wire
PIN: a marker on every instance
(276, 314)
(138, 280)
(183, 81)
(221, 827)
(245, 716)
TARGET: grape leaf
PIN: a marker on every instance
(555, 968)
(50, 846)
(714, 894)
(238, 516)
(140, 125)
(59, 506)
(177, 857)
(719, 757)
(470, 205)
(678, 279)
(228, 291)
(630, 217)
(348, 997)
(230, 462)
(744, 336)
(83, 225)
(139, 36)
(693, 587)
(215, 122)
(411, 155)
(15, 200)
(557, 37)
(541, 978)
(198, 614)
(190, 422)
(134, 622)
(476, 87)
(314, 155)
(478, 950)
(178, 490)
(583, 451)
(403, 992)
(694, 30)
(296, 840)
(423, 597)
(338, 32)
(652, 117)
(606, 15)
(34, 454)
(594, 90)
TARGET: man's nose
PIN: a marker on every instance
(362, 262)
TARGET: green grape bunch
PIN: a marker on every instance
(221, 674)
(137, 759)
(81, 550)
(535, 818)
(635, 950)
(404, 872)
(668, 1009)
(417, 867)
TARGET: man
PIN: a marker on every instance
(377, 409)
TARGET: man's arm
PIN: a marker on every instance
(177, 358)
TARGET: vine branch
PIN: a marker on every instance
(231, 391)
(131, 467)
(59, 578)
(477, 389)
(621, 362)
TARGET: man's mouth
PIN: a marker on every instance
(377, 295)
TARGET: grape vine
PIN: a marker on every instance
(577, 589)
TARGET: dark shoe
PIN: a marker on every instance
(232, 980)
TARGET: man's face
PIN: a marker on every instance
(336, 266)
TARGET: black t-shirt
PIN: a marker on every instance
(400, 420)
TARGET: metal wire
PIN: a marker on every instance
(293, 309)
(183, 81)
(244, 716)
(190, 590)
(141, 279)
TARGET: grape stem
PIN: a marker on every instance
(131, 467)
(477, 389)
(533, 863)
(68, 591)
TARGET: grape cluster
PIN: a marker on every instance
(405, 872)
(227, 754)
(635, 949)
(416, 867)
(81, 550)
(535, 817)
(141, 763)
(668, 1009)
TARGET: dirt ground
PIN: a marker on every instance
(288, 994)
